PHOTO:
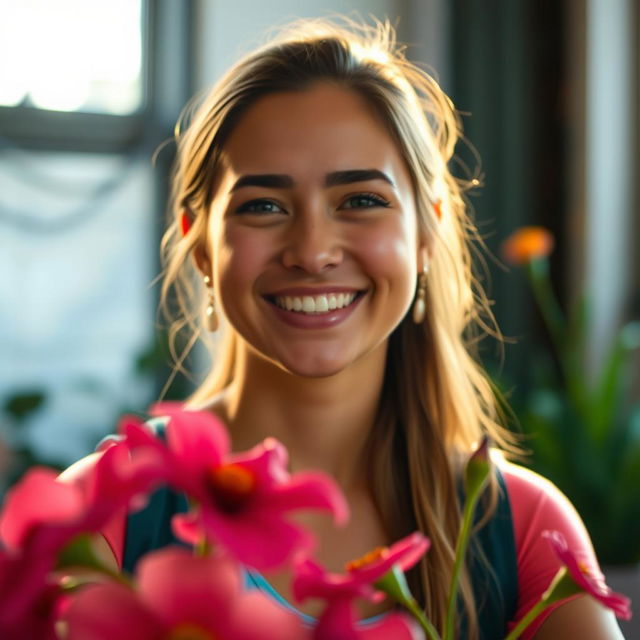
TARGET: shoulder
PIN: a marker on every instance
(538, 505)
(79, 472)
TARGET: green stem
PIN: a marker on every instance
(203, 547)
(419, 615)
(538, 274)
(532, 614)
(461, 548)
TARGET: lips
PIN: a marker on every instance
(321, 303)
(306, 307)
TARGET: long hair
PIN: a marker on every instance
(436, 401)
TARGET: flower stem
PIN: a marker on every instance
(538, 273)
(531, 615)
(203, 547)
(419, 615)
(461, 548)
(394, 584)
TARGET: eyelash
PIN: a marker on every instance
(377, 201)
(244, 208)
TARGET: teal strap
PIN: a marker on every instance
(492, 563)
(150, 527)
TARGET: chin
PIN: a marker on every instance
(312, 369)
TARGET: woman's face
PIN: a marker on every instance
(312, 234)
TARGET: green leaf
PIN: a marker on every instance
(574, 350)
(607, 393)
(21, 405)
(80, 554)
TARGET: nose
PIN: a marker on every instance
(312, 245)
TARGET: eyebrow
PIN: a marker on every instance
(283, 181)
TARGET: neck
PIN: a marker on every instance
(324, 422)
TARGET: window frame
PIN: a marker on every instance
(29, 127)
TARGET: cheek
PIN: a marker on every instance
(389, 253)
(240, 256)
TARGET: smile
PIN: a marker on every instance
(316, 304)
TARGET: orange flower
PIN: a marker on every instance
(526, 244)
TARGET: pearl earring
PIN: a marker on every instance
(419, 306)
(211, 314)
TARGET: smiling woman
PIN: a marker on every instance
(313, 200)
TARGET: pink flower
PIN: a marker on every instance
(28, 598)
(180, 596)
(43, 515)
(242, 500)
(27, 594)
(41, 505)
(586, 578)
(338, 622)
(38, 499)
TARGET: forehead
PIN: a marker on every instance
(310, 133)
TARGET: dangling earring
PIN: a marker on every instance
(212, 314)
(419, 306)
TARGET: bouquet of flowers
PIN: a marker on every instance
(55, 586)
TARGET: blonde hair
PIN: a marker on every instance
(436, 401)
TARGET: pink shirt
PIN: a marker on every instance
(536, 505)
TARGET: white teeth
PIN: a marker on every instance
(316, 304)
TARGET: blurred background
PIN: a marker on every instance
(549, 92)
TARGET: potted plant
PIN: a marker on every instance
(583, 434)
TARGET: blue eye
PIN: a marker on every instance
(364, 201)
(259, 206)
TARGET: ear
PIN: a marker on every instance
(200, 256)
(424, 251)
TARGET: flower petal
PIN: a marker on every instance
(206, 591)
(107, 611)
(337, 621)
(197, 436)
(268, 461)
(256, 616)
(311, 490)
(38, 498)
(527, 243)
(260, 538)
(24, 589)
(405, 553)
(178, 586)
(312, 581)
(120, 477)
(587, 578)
